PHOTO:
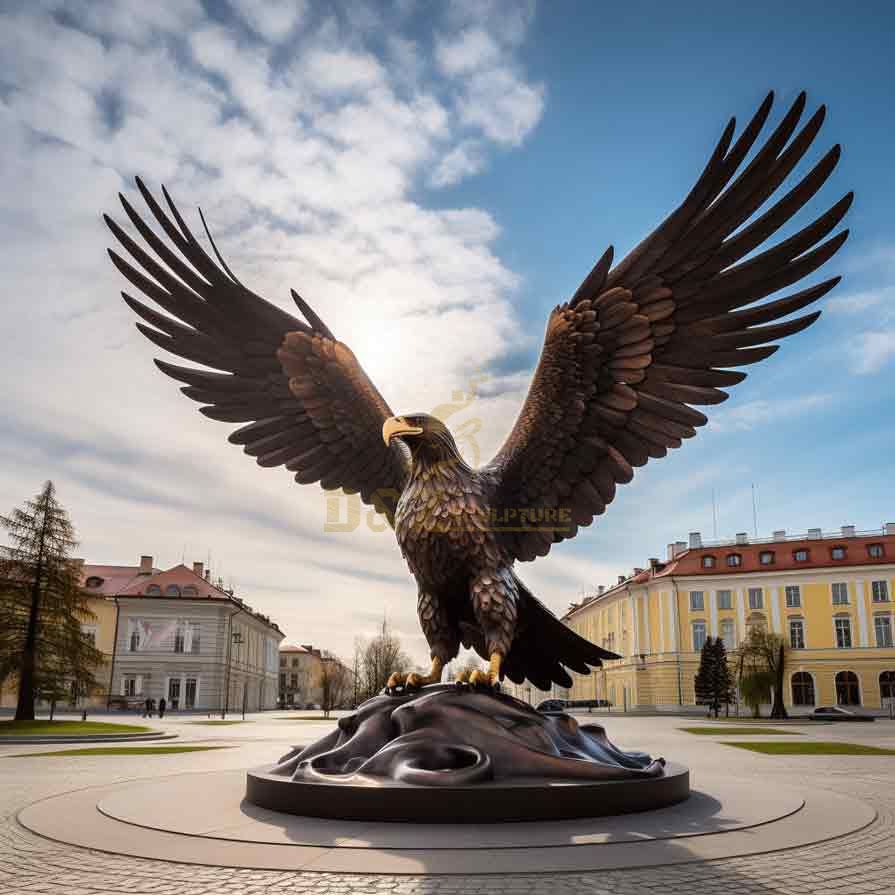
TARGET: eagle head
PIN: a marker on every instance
(425, 436)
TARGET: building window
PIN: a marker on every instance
(802, 688)
(848, 691)
(89, 633)
(887, 687)
(708, 562)
(793, 596)
(178, 639)
(153, 591)
(134, 640)
(697, 600)
(172, 590)
(195, 637)
(725, 600)
(192, 687)
(734, 560)
(94, 581)
(727, 633)
(293, 681)
(840, 594)
(282, 661)
(796, 633)
(766, 557)
(130, 686)
(295, 661)
(875, 551)
(190, 591)
(882, 625)
(174, 693)
(843, 633)
(800, 555)
(756, 598)
(698, 636)
(880, 591)
(837, 553)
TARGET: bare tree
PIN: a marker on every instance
(376, 660)
(335, 683)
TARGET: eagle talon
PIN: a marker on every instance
(396, 682)
(462, 679)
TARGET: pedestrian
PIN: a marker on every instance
(147, 708)
(162, 705)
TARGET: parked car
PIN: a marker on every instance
(552, 705)
(837, 713)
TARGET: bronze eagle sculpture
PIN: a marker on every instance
(624, 360)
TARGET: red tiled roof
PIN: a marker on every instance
(114, 578)
(180, 576)
(819, 550)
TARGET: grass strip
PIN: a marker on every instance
(735, 731)
(812, 748)
(66, 728)
(220, 723)
(120, 750)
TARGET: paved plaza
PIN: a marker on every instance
(863, 862)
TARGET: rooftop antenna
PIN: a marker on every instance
(754, 513)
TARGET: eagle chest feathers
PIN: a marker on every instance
(442, 524)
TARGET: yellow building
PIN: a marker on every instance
(828, 594)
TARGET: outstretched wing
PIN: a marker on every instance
(307, 402)
(627, 356)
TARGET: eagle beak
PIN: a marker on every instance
(397, 425)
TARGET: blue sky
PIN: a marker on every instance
(435, 176)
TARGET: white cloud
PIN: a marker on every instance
(462, 161)
(752, 414)
(471, 50)
(859, 302)
(502, 106)
(272, 19)
(871, 351)
(310, 173)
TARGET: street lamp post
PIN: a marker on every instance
(236, 640)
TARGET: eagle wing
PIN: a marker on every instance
(626, 358)
(306, 401)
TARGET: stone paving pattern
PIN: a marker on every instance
(860, 864)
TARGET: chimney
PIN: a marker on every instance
(207, 575)
(653, 563)
(814, 533)
(742, 537)
(669, 552)
(145, 565)
(637, 570)
(889, 528)
(679, 547)
(780, 534)
(695, 539)
(600, 590)
(198, 568)
(848, 531)
(621, 579)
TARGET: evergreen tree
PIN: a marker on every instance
(42, 606)
(722, 678)
(713, 682)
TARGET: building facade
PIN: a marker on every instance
(829, 595)
(300, 683)
(184, 638)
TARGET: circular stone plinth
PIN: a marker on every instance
(492, 802)
(202, 819)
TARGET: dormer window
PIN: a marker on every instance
(153, 591)
(875, 551)
(800, 555)
(172, 590)
(837, 553)
(708, 562)
(190, 591)
(766, 557)
(734, 560)
(94, 581)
